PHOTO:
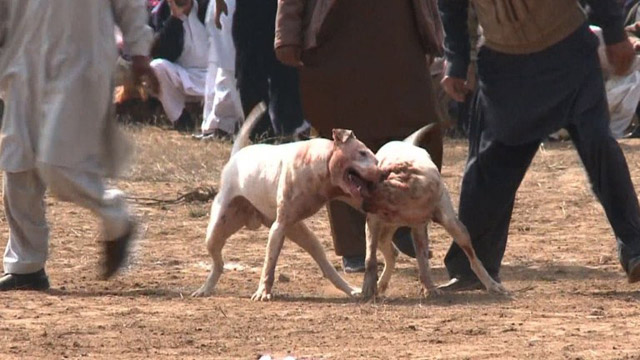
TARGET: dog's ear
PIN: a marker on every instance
(341, 136)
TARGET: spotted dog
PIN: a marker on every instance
(281, 185)
(412, 194)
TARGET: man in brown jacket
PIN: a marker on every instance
(538, 71)
(363, 66)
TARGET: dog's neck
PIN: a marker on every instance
(333, 190)
(316, 155)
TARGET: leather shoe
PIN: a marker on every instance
(32, 281)
(116, 251)
(635, 134)
(633, 270)
(217, 134)
(353, 264)
(463, 284)
(184, 123)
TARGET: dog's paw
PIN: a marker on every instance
(497, 288)
(202, 292)
(261, 295)
(431, 293)
(369, 287)
(382, 287)
(355, 293)
(367, 292)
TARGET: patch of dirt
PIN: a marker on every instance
(571, 299)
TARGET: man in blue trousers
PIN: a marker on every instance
(538, 71)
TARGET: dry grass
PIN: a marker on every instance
(571, 299)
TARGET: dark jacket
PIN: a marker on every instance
(169, 39)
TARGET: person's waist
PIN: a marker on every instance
(533, 34)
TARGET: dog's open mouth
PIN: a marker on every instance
(358, 185)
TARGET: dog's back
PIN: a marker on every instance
(412, 186)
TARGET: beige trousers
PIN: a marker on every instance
(23, 196)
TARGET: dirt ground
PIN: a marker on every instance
(571, 299)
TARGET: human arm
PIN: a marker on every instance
(632, 26)
(221, 8)
(4, 22)
(288, 37)
(168, 42)
(457, 48)
(608, 15)
(131, 18)
(633, 31)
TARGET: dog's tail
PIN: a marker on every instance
(417, 137)
(242, 140)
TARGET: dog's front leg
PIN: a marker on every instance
(369, 284)
(421, 240)
(306, 239)
(274, 245)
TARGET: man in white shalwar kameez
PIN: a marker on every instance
(184, 79)
(57, 60)
(222, 112)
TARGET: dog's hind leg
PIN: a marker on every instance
(446, 216)
(227, 217)
(390, 254)
(421, 239)
(306, 239)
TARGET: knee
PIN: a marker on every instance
(52, 176)
(160, 66)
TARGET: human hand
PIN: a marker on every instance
(472, 78)
(455, 87)
(142, 72)
(620, 56)
(178, 9)
(633, 28)
(635, 42)
(221, 8)
(290, 55)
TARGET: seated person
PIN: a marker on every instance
(180, 51)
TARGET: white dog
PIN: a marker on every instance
(412, 194)
(281, 185)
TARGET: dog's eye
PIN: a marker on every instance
(363, 153)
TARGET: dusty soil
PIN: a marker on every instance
(571, 299)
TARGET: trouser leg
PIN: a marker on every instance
(28, 245)
(251, 32)
(285, 106)
(227, 108)
(87, 190)
(608, 173)
(171, 94)
(208, 116)
(347, 229)
(491, 178)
